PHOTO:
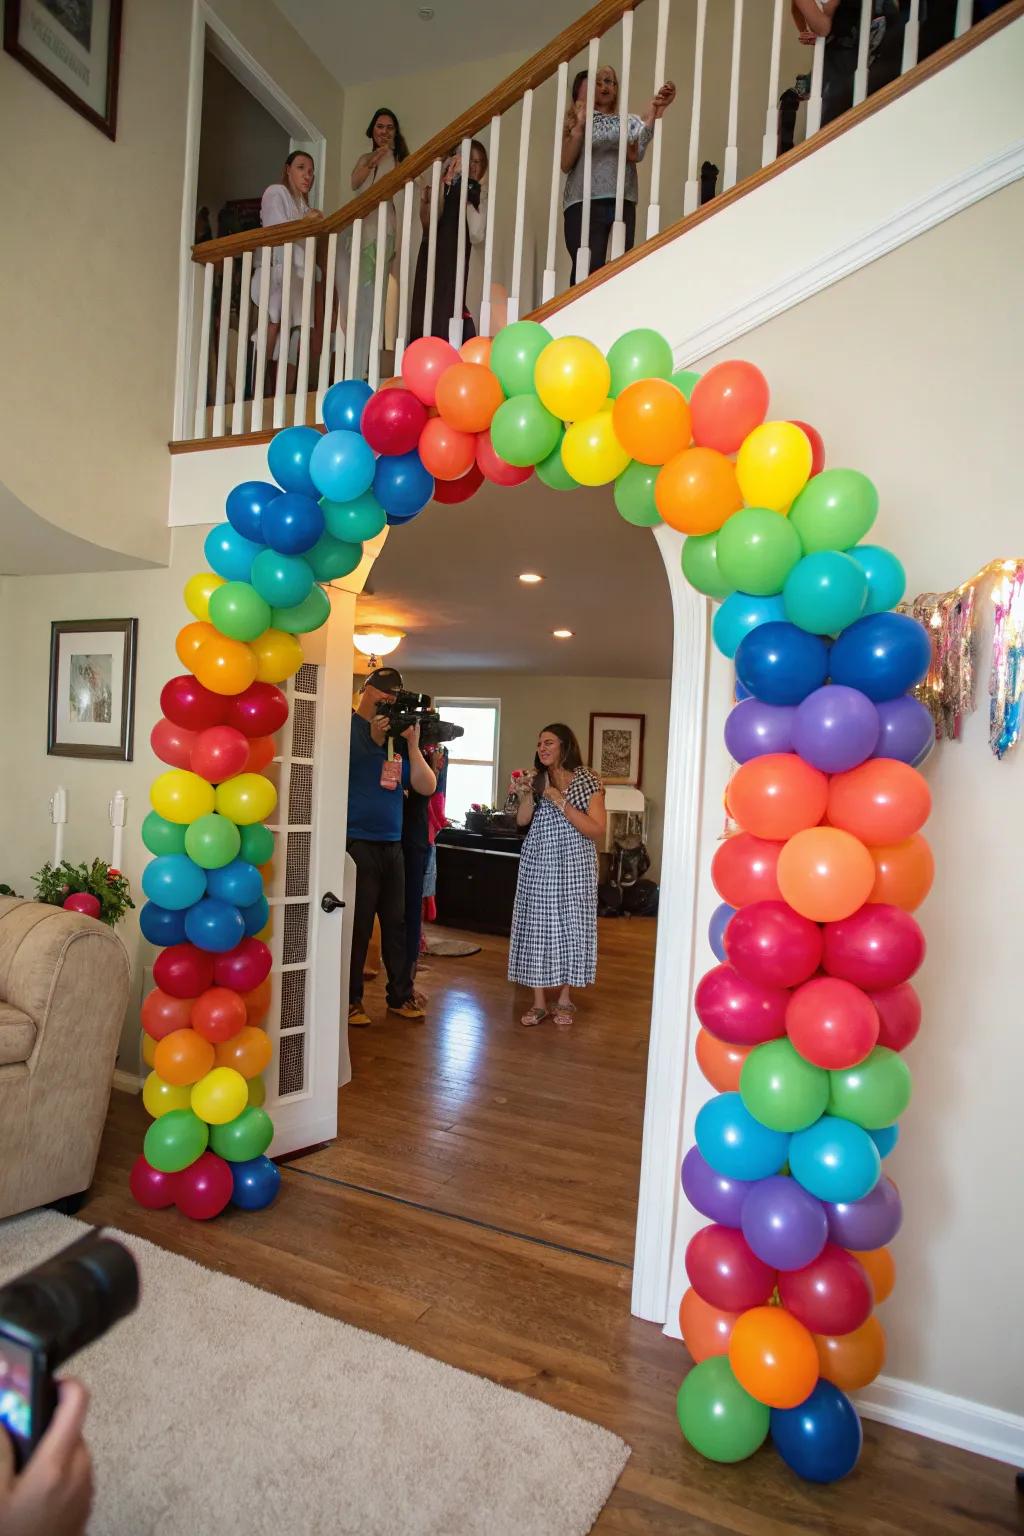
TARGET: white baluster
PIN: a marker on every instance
(435, 198)
(660, 47)
(515, 295)
(691, 192)
(223, 338)
(458, 302)
(324, 372)
(732, 146)
(817, 76)
(59, 811)
(262, 318)
(964, 16)
(202, 371)
(376, 322)
(618, 239)
(549, 280)
(403, 273)
(305, 321)
(770, 142)
(492, 201)
(583, 254)
(284, 339)
(353, 300)
(241, 351)
(911, 37)
(116, 811)
(860, 77)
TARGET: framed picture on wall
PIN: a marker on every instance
(92, 688)
(617, 748)
(73, 46)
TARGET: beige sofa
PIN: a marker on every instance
(63, 992)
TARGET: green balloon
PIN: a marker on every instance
(834, 510)
(257, 843)
(781, 1089)
(314, 610)
(354, 521)
(330, 557)
(238, 610)
(211, 841)
(162, 836)
(757, 549)
(639, 354)
(281, 580)
(514, 353)
(719, 1418)
(175, 1140)
(248, 1135)
(825, 592)
(701, 568)
(523, 432)
(684, 380)
(634, 494)
(553, 472)
(872, 1095)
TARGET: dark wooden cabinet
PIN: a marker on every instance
(476, 880)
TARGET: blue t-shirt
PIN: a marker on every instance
(374, 813)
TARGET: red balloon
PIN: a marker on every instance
(777, 795)
(446, 452)
(817, 443)
(728, 401)
(725, 1271)
(830, 1295)
(740, 1011)
(187, 703)
(261, 753)
(260, 711)
(494, 468)
(769, 943)
(84, 902)
(172, 743)
(219, 753)
(877, 947)
(882, 801)
(899, 1015)
(218, 1014)
(163, 1013)
(153, 1190)
(243, 967)
(743, 869)
(831, 1023)
(423, 363)
(393, 420)
(204, 1187)
(450, 492)
(183, 970)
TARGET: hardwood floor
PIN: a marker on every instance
(474, 1130)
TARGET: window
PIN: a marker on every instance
(472, 758)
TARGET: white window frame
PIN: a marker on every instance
(443, 700)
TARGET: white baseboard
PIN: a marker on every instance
(952, 1420)
(127, 1082)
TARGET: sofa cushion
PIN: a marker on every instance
(17, 1035)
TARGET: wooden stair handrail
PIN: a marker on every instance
(594, 23)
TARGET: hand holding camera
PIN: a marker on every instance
(52, 1496)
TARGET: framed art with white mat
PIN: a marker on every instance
(92, 688)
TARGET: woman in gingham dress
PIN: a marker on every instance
(554, 924)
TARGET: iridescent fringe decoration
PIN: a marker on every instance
(1006, 683)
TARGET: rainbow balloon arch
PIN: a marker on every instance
(806, 1015)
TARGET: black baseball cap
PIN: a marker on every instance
(386, 679)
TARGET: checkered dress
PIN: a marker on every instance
(554, 923)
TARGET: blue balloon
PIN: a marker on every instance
(173, 881)
(739, 692)
(288, 456)
(281, 580)
(239, 883)
(781, 664)
(256, 916)
(716, 929)
(735, 1144)
(887, 580)
(292, 524)
(907, 730)
(229, 553)
(739, 614)
(255, 1183)
(824, 592)
(245, 507)
(402, 485)
(835, 1160)
(342, 466)
(161, 925)
(885, 1139)
(344, 404)
(821, 1440)
(883, 654)
(214, 925)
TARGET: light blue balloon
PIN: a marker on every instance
(281, 580)
(344, 404)
(342, 465)
(739, 614)
(736, 1144)
(229, 554)
(885, 1139)
(288, 456)
(835, 1160)
(824, 592)
(887, 580)
(173, 881)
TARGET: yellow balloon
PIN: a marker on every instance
(198, 591)
(257, 1092)
(181, 796)
(149, 1050)
(220, 1096)
(247, 798)
(159, 1096)
(572, 378)
(591, 452)
(773, 465)
(278, 656)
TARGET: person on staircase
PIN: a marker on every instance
(282, 202)
(387, 149)
(838, 22)
(446, 251)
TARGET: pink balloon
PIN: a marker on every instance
(172, 743)
(831, 1023)
(393, 420)
(84, 902)
(219, 753)
(243, 967)
(260, 711)
(878, 946)
(182, 970)
(204, 1187)
(423, 363)
(153, 1190)
(769, 943)
(740, 1011)
(899, 1015)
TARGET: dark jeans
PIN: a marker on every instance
(602, 217)
(841, 67)
(415, 874)
(380, 892)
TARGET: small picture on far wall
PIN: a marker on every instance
(617, 748)
(92, 688)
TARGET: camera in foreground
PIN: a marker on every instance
(409, 709)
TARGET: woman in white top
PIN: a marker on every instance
(283, 202)
(446, 247)
(604, 162)
(388, 150)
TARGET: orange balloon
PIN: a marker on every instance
(468, 394)
(904, 873)
(183, 1057)
(446, 451)
(881, 802)
(881, 1271)
(773, 1357)
(825, 874)
(652, 420)
(476, 350)
(697, 490)
(706, 1329)
(249, 1051)
(224, 666)
(257, 1002)
(852, 1360)
(776, 795)
(720, 1062)
(261, 752)
(396, 383)
(191, 638)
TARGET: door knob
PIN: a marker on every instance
(329, 902)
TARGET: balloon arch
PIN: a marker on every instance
(805, 1016)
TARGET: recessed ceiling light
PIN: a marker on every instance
(562, 634)
(425, 13)
(530, 578)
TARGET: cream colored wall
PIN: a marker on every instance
(242, 147)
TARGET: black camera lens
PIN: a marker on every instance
(72, 1299)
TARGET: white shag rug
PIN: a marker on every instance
(221, 1410)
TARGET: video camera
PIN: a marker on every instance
(45, 1316)
(417, 709)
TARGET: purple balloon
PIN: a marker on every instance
(908, 730)
(754, 728)
(716, 929)
(835, 728)
(718, 1198)
(868, 1223)
(785, 1225)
